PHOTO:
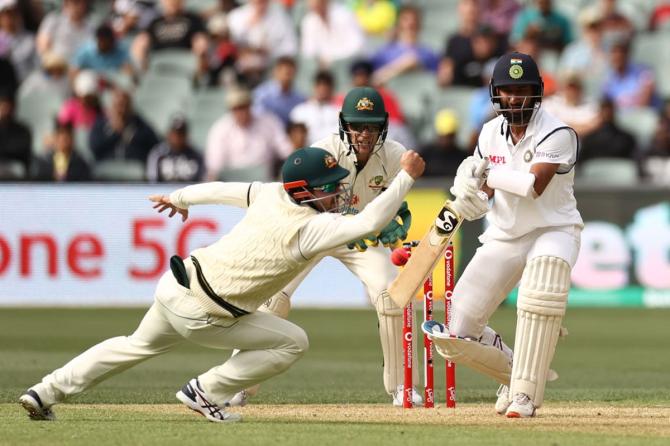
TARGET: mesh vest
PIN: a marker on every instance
(254, 260)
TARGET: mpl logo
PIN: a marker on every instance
(497, 159)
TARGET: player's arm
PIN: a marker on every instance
(328, 231)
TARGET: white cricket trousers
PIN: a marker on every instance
(496, 269)
(268, 346)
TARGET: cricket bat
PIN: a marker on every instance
(429, 250)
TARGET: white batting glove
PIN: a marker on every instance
(467, 181)
(472, 206)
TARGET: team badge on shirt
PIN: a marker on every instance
(330, 161)
(365, 104)
(528, 156)
(376, 182)
(515, 71)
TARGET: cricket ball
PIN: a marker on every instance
(399, 256)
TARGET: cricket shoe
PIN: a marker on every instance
(240, 399)
(503, 402)
(521, 407)
(193, 396)
(398, 396)
(37, 411)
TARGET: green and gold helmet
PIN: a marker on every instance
(311, 168)
(363, 106)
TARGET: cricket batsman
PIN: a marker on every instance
(211, 297)
(533, 237)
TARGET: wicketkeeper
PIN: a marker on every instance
(533, 237)
(211, 297)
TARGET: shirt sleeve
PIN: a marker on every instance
(559, 147)
(233, 194)
(327, 230)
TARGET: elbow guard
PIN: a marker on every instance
(514, 182)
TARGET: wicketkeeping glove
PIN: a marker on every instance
(395, 231)
(362, 244)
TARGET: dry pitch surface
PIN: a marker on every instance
(651, 421)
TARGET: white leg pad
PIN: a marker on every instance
(486, 359)
(390, 335)
(279, 305)
(543, 297)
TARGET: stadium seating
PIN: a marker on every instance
(245, 174)
(641, 122)
(12, 171)
(608, 172)
(119, 170)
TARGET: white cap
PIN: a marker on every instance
(86, 83)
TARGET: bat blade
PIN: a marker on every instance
(425, 256)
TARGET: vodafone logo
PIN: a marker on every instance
(408, 337)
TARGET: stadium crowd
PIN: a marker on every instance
(188, 90)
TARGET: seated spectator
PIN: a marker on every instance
(586, 55)
(129, 17)
(277, 95)
(175, 159)
(8, 79)
(608, 140)
(660, 17)
(263, 32)
(542, 20)
(443, 155)
(570, 106)
(120, 133)
(459, 44)
(628, 83)
(376, 17)
(62, 32)
(82, 109)
(655, 160)
(51, 78)
(297, 134)
(531, 45)
(616, 26)
(220, 8)
(22, 43)
(319, 112)
(329, 32)
(361, 76)
(16, 138)
(103, 53)
(175, 28)
(62, 162)
(243, 139)
(499, 15)
(404, 52)
(223, 53)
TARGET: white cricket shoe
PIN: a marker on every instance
(503, 402)
(417, 400)
(521, 407)
(37, 411)
(193, 396)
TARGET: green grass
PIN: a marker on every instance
(616, 357)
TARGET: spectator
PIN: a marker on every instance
(63, 32)
(22, 43)
(459, 44)
(570, 106)
(8, 79)
(129, 17)
(608, 140)
(616, 26)
(50, 79)
(175, 28)
(443, 156)
(329, 32)
(403, 52)
(277, 95)
(531, 45)
(376, 17)
(587, 56)
(466, 57)
(297, 134)
(542, 20)
(361, 76)
(223, 57)
(83, 108)
(62, 162)
(655, 160)
(263, 32)
(104, 53)
(221, 9)
(499, 15)
(120, 133)
(242, 139)
(16, 138)
(660, 17)
(629, 84)
(319, 112)
(175, 159)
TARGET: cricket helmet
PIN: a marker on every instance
(309, 169)
(516, 69)
(363, 105)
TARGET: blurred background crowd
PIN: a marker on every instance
(191, 90)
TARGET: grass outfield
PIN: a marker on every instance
(614, 387)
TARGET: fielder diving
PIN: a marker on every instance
(533, 236)
(211, 297)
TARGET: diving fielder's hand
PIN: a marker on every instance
(163, 203)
